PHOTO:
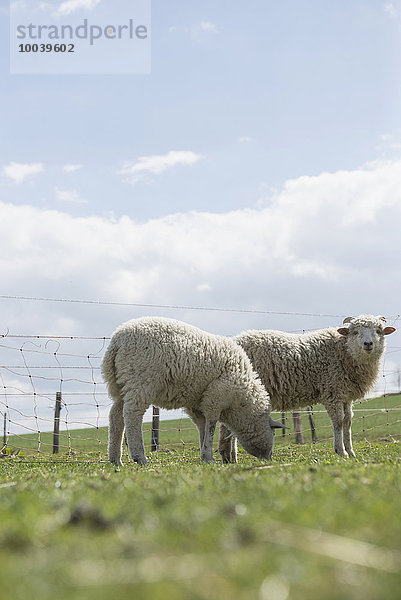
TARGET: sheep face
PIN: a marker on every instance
(365, 337)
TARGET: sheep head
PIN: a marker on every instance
(365, 336)
(259, 441)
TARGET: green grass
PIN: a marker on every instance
(309, 525)
(373, 419)
(175, 434)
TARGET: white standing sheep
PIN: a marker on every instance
(332, 366)
(174, 365)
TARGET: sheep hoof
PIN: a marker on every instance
(116, 462)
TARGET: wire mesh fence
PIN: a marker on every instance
(53, 399)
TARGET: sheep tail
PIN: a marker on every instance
(109, 373)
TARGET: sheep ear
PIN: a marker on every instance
(277, 425)
(343, 330)
(388, 330)
(347, 320)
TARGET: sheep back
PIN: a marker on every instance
(173, 363)
(301, 370)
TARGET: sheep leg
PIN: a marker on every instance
(336, 414)
(133, 416)
(227, 445)
(200, 422)
(234, 449)
(207, 446)
(116, 431)
(347, 429)
(221, 389)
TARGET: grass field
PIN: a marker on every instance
(309, 525)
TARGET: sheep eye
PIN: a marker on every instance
(355, 333)
(379, 331)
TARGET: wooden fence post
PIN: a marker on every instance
(155, 428)
(296, 416)
(283, 422)
(56, 430)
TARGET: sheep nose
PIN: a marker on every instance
(368, 345)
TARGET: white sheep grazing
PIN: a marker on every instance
(174, 365)
(330, 366)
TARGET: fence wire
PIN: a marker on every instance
(35, 370)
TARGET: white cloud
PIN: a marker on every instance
(65, 8)
(391, 10)
(244, 140)
(70, 6)
(204, 287)
(157, 164)
(71, 168)
(18, 172)
(204, 27)
(325, 244)
(208, 27)
(389, 145)
(70, 196)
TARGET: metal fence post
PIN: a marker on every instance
(56, 431)
(155, 428)
(5, 430)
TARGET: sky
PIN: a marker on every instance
(257, 167)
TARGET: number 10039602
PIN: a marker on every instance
(46, 48)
